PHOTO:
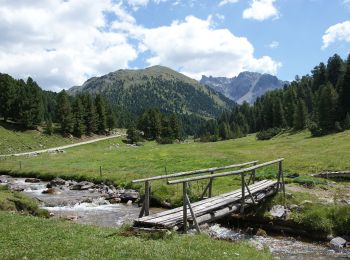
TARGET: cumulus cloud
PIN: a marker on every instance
(195, 48)
(261, 10)
(61, 43)
(225, 2)
(337, 32)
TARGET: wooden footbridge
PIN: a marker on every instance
(193, 214)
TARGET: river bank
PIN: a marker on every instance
(92, 207)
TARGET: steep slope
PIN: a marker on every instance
(247, 86)
(136, 90)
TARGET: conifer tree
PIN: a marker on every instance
(101, 114)
(175, 126)
(327, 108)
(89, 115)
(78, 118)
(300, 116)
(64, 111)
(345, 90)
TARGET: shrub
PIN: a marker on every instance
(314, 129)
(165, 140)
(268, 134)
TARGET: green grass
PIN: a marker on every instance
(35, 238)
(302, 154)
(14, 139)
(15, 201)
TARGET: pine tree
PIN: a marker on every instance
(327, 108)
(101, 114)
(7, 95)
(78, 118)
(334, 69)
(224, 131)
(300, 116)
(346, 125)
(345, 90)
(111, 119)
(278, 114)
(49, 127)
(89, 115)
(64, 111)
(175, 126)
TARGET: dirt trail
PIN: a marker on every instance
(62, 147)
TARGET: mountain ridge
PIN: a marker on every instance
(247, 86)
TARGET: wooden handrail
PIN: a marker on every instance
(237, 172)
(180, 174)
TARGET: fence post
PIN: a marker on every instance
(100, 171)
(146, 202)
(184, 191)
(210, 186)
(20, 165)
(243, 193)
(280, 173)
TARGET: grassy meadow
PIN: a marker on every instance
(122, 163)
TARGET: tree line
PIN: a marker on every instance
(154, 125)
(319, 102)
(25, 103)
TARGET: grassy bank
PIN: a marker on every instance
(17, 202)
(35, 238)
(122, 163)
(13, 139)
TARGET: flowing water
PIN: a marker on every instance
(90, 207)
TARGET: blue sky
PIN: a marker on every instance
(63, 43)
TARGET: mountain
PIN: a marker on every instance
(247, 86)
(172, 92)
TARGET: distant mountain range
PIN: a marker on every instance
(172, 92)
(247, 86)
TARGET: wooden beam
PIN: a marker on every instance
(237, 172)
(180, 174)
(184, 206)
(192, 214)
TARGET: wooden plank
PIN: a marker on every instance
(202, 210)
(171, 211)
(237, 172)
(206, 201)
(179, 174)
(208, 205)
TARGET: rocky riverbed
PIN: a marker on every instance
(83, 202)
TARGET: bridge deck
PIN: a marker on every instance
(209, 209)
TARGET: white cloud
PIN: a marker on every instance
(274, 45)
(261, 10)
(346, 2)
(337, 32)
(225, 2)
(61, 44)
(195, 48)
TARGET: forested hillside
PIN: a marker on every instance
(319, 102)
(134, 91)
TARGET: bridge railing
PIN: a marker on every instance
(244, 186)
(208, 188)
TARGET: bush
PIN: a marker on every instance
(134, 135)
(208, 138)
(314, 129)
(268, 134)
(165, 140)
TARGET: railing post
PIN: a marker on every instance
(280, 173)
(253, 174)
(184, 194)
(146, 202)
(210, 186)
(243, 193)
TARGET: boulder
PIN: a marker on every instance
(32, 180)
(57, 182)
(129, 195)
(277, 211)
(260, 232)
(115, 200)
(83, 185)
(129, 203)
(338, 243)
(52, 191)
